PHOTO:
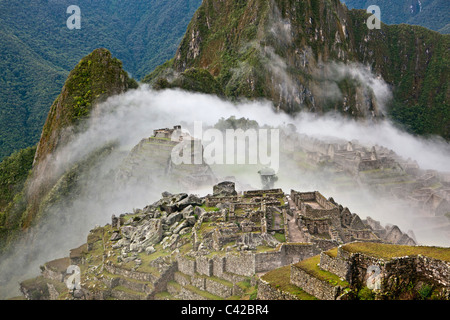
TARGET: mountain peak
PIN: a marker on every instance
(315, 56)
(96, 77)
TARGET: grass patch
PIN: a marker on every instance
(311, 267)
(280, 237)
(202, 293)
(389, 251)
(280, 279)
(129, 291)
(164, 296)
(332, 252)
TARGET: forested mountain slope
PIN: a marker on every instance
(38, 50)
(432, 14)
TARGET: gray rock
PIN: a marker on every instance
(173, 227)
(180, 226)
(114, 221)
(166, 194)
(174, 217)
(188, 211)
(115, 236)
(184, 231)
(150, 250)
(127, 231)
(190, 221)
(199, 211)
(170, 242)
(224, 189)
(192, 200)
(134, 247)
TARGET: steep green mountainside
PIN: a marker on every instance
(432, 14)
(318, 56)
(13, 173)
(38, 50)
(96, 77)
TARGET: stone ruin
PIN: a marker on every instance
(329, 224)
(183, 245)
(149, 163)
(383, 172)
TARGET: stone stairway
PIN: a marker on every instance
(335, 235)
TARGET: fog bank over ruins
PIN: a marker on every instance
(375, 168)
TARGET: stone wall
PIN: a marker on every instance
(259, 193)
(286, 254)
(267, 261)
(242, 264)
(234, 266)
(320, 199)
(213, 201)
(321, 289)
(187, 265)
(167, 275)
(218, 288)
(353, 268)
(334, 265)
(437, 270)
(204, 266)
(242, 205)
(297, 197)
(308, 211)
(267, 292)
(136, 275)
(317, 226)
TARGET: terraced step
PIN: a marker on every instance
(213, 285)
(189, 292)
(136, 275)
(317, 282)
(123, 293)
(42, 288)
(173, 288)
(276, 285)
(165, 295)
(113, 281)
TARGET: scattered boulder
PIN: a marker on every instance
(149, 250)
(224, 189)
(166, 194)
(115, 236)
(173, 217)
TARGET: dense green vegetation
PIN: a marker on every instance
(14, 171)
(432, 14)
(38, 50)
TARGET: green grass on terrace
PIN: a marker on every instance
(280, 279)
(311, 266)
(389, 251)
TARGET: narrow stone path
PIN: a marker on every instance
(295, 235)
